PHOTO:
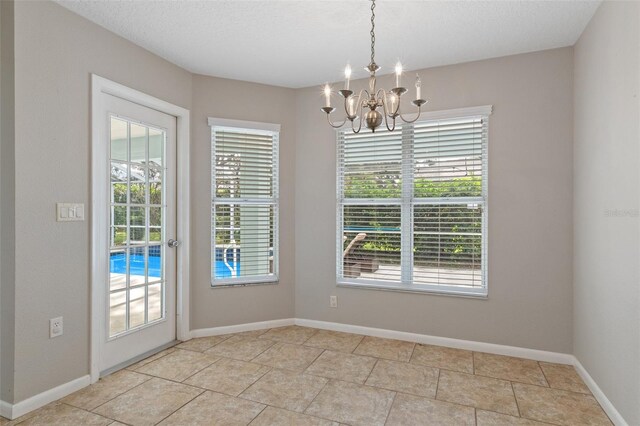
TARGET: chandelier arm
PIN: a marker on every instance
(386, 123)
(359, 122)
(385, 114)
(415, 119)
(356, 101)
(335, 126)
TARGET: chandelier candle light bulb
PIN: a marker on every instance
(398, 73)
(327, 96)
(347, 77)
(375, 105)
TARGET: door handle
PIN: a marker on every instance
(173, 243)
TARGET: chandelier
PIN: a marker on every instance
(369, 101)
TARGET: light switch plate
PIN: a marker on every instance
(67, 212)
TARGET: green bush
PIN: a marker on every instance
(450, 233)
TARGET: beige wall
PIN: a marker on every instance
(7, 193)
(222, 98)
(55, 52)
(606, 203)
(530, 213)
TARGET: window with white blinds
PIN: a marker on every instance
(244, 211)
(412, 205)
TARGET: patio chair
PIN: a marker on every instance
(352, 266)
(355, 258)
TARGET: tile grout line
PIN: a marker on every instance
(515, 399)
(544, 375)
(413, 349)
(75, 408)
(202, 369)
(314, 398)
(110, 399)
(371, 372)
(393, 400)
(127, 391)
(248, 339)
(147, 363)
(224, 337)
(176, 410)
(313, 334)
(258, 415)
(274, 343)
(314, 360)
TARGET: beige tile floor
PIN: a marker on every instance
(303, 376)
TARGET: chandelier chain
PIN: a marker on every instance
(373, 33)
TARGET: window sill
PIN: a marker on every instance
(422, 289)
(244, 282)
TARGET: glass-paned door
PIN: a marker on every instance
(139, 295)
(136, 237)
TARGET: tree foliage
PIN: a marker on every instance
(446, 234)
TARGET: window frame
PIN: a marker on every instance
(407, 203)
(260, 128)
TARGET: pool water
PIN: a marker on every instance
(118, 265)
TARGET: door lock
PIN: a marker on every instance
(173, 243)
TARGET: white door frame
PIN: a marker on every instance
(99, 219)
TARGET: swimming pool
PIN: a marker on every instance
(118, 263)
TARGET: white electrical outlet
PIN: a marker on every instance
(333, 301)
(55, 327)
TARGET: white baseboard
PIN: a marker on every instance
(215, 331)
(5, 409)
(12, 411)
(470, 345)
(606, 405)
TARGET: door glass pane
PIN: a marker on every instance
(136, 285)
(119, 182)
(119, 236)
(138, 144)
(155, 224)
(137, 222)
(119, 215)
(155, 263)
(155, 301)
(156, 147)
(137, 266)
(138, 193)
(119, 140)
(118, 310)
(117, 269)
(155, 193)
(136, 306)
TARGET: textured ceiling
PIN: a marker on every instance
(304, 43)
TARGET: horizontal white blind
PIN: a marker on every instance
(372, 165)
(412, 206)
(244, 206)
